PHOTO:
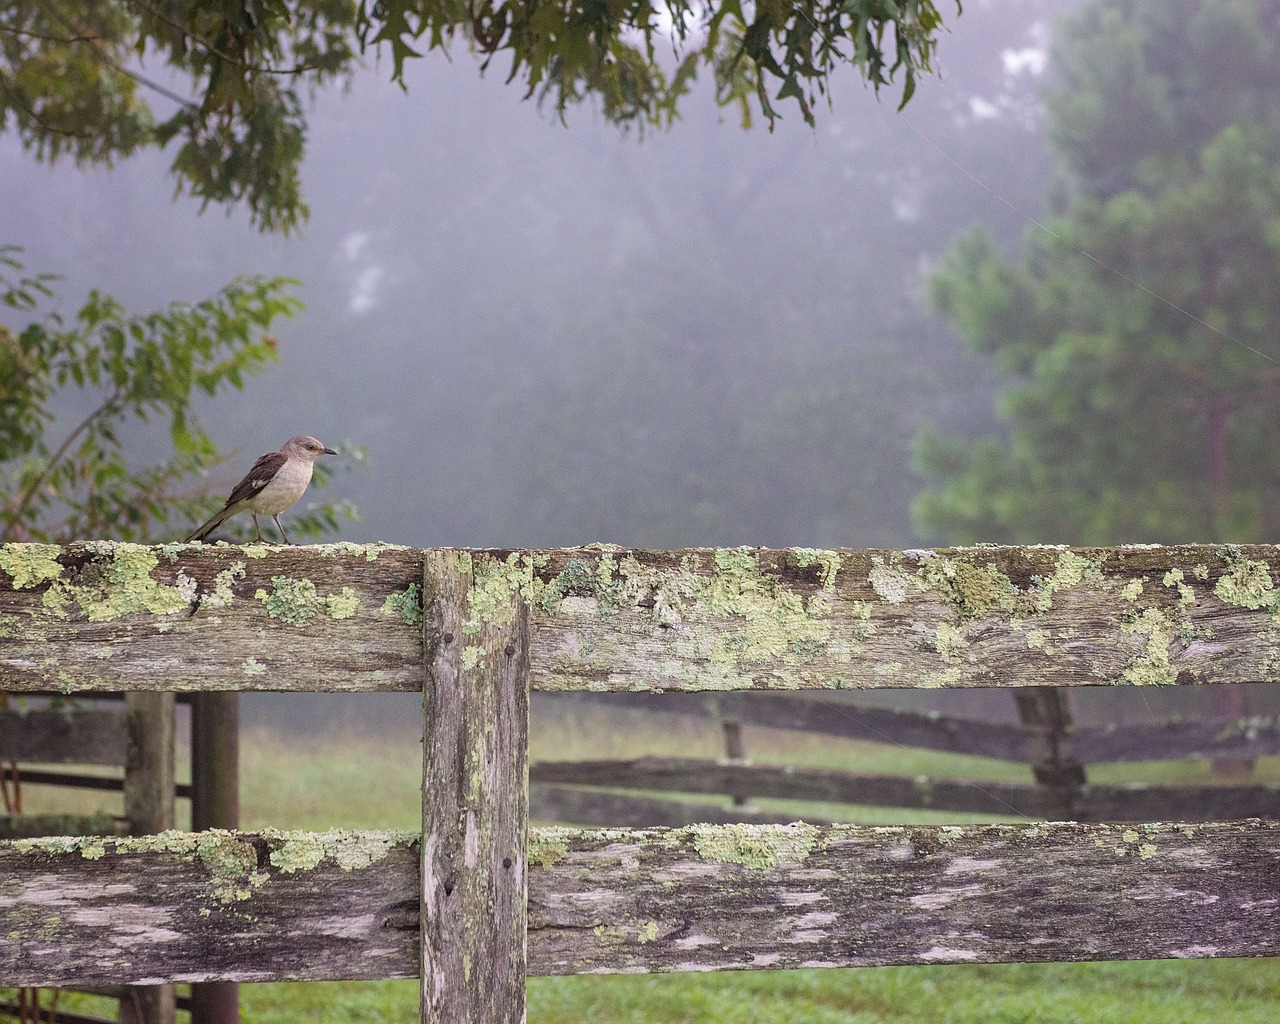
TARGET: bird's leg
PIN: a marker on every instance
(255, 528)
(281, 529)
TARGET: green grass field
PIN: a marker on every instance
(353, 780)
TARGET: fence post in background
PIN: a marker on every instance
(1229, 702)
(215, 803)
(1045, 708)
(474, 789)
(148, 804)
(736, 751)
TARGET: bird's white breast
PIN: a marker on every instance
(283, 490)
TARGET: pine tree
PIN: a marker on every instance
(1140, 329)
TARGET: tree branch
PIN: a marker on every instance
(29, 493)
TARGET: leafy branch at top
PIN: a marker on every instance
(235, 71)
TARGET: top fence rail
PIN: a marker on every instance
(109, 616)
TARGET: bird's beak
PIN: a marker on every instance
(328, 451)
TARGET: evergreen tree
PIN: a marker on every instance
(1140, 329)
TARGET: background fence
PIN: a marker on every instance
(478, 900)
(1043, 736)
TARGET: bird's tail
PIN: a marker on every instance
(202, 532)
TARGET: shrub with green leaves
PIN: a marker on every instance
(74, 389)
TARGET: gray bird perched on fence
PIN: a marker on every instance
(274, 483)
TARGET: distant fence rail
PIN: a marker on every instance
(1058, 750)
(478, 900)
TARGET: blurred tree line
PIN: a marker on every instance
(1137, 329)
(222, 87)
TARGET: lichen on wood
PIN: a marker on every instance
(108, 616)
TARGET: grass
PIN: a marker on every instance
(355, 780)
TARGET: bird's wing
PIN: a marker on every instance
(258, 477)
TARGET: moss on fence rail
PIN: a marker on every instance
(291, 906)
(102, 615)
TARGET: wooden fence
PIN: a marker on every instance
(1043, 737)
(478, 900)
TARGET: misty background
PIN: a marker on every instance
(549, 334)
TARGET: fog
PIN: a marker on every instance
(554, 333)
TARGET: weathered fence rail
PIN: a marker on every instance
(555, 801)
(479, 900)
(1107, 743)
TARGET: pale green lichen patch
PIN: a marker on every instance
(754, 846)
(29, 565)
(953, 676)
(495, 585)
(114, 581)
(93, 849)
(1153, 666)
(971, 589)
(232, 864)
(405, 603)
(1070, 570)
(296, 602)
(256, 550)
(349, 549)
(1174, 578)
(1132, 590)
(252, 667)
(892, 583)
(223, 583)
(576, 579)
(775, 620)
(353, 851)
(547, 846)
(300, 851)
(1246, 584)
(951, 644)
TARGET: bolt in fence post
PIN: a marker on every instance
(474, 790)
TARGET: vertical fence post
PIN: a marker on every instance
(215, 803)
(148, 804)
(1046, 708)
(735, 750)
(474, 790)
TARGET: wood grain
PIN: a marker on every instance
(474, 793)
(110, 617)
(343, 617)
(296, 906)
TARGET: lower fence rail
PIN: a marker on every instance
(277, 906)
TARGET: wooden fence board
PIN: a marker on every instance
(70, 736)
(474, 797)
(829, 715)
(210, 906)
(786, 782)
(573, 806)
(1252, 736)
(294, 906)
(732, 619)
(761, 896)
(103, 616)
(1092, 802)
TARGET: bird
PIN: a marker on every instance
(275, 482)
